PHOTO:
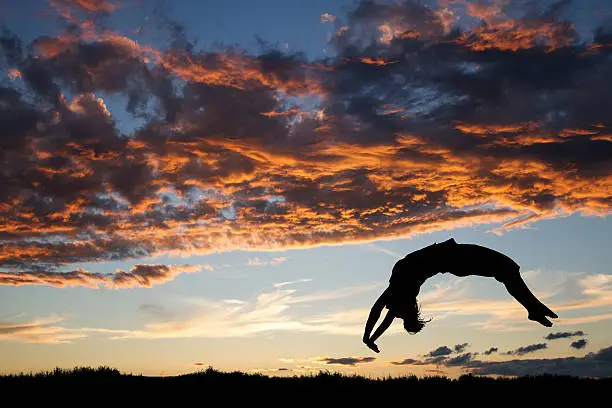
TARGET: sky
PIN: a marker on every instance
(221, 184)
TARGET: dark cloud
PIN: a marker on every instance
(138, 276)
(528, 349)
(598, 365)
(459, 360)
(435, 371)
(440, 351)
(579, 344)
(438, 360)
(564, 335)
(411, 115)
(440, 356)
(350, 361)
(491, 351)
(459, 348)
(408, 361)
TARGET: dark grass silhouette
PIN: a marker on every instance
(410, 272)
(84, 386)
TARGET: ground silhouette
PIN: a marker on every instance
(409, 273)
(104, 385)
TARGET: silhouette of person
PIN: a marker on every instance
(409, 273)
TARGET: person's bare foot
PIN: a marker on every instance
(540, 319)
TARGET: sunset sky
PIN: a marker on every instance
(228, 183)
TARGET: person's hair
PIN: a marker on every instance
(415, 323)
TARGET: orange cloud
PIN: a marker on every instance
(388, 32)
(271, 151)
(512, 35)
(499, 31)
(14, 74)
(327, 18)
(91, 6)
(376, 61)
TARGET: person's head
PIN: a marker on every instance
(414, 323)
(407, 308)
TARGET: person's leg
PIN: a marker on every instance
(516, 286)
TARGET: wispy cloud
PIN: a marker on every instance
(407, 361)
(279, 370)
(45, 330)
(380, 248)
(267, 312)
(337, 293)
(287, 283)
(588, 305)
(264, 262)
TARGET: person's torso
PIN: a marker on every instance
(471, 259)
(458, 259)
(415, 268)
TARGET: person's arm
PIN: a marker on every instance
(384, 325)
(374, 316)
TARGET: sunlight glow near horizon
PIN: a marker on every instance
(284, 311)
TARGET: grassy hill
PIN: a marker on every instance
(105, 385)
